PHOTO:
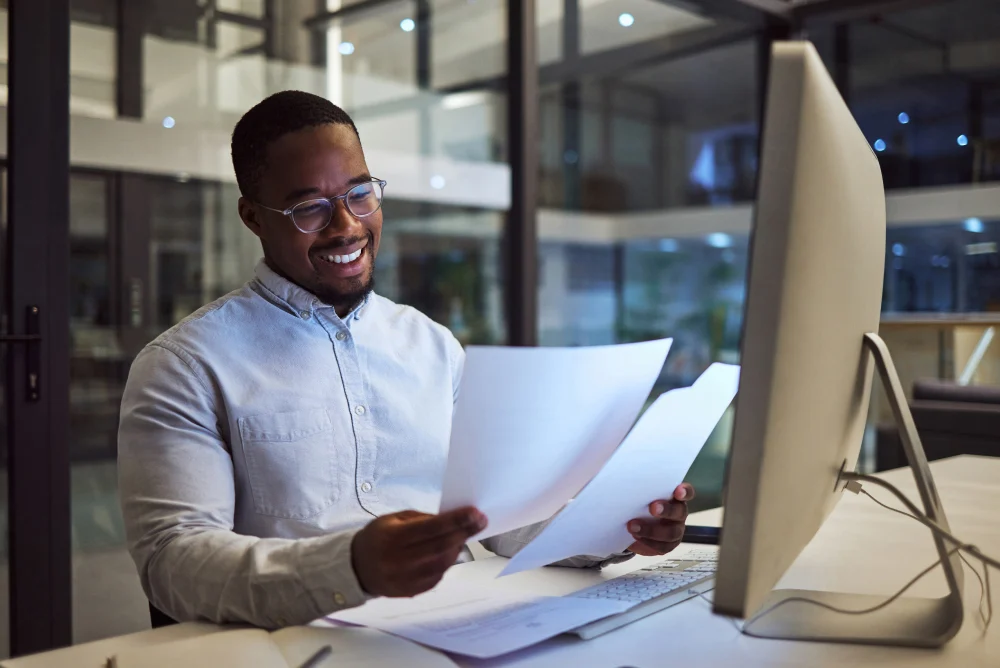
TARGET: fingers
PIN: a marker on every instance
(407, 553)
(675, 511)
(684, 492)
(658, 530)
(465, 522)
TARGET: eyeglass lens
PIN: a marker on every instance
(361, 200)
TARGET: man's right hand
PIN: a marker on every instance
(407, 553)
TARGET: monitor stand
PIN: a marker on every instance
(913, 622)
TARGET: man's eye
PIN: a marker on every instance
(309, 209)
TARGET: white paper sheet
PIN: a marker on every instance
(533, 425)
(651, 462)
(481, 625)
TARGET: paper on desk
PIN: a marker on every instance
(533, 425)
(481, 625)
(649, 464)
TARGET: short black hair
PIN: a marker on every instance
(270, 119)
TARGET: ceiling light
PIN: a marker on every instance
(719, 240)
(346, 48)
(974, 225)
(962, 140)
(903, 117)
(437, 182)
(169, 122)
(407, 25)
(879, 145)
(466, 99)
(625, 20)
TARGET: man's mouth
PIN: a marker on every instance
(341, 259)
(345, 261)
(345, 255)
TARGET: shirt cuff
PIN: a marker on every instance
(327, 573)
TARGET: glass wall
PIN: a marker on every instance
(923, 87)
(155, 232)
(644, 133)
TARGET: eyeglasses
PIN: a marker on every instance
(314, 215)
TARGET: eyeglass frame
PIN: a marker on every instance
(333, 204)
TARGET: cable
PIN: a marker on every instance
(923, 519)
(984, 587)
(984, 593)
(865, 611)
(853, 480)
(704, 596)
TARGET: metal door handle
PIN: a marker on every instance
(33, 360)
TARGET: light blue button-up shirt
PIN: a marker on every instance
(261, 433)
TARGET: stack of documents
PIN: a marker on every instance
(479, 624)
(540, 435)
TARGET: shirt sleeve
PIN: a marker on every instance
(510, 543)
(178, 500)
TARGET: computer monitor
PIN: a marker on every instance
(809, 351)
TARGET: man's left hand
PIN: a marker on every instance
(663, 530)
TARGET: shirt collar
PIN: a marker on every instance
(297, 298)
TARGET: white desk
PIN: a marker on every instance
(861, 548)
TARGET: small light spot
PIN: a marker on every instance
(974, 225)
(719, 240)
(169, 122)
(962, 140)
(903, 118)
(625, 20)
(669, 245)
(879, 145)
(437, 182)
(407, 25)
(346, 48)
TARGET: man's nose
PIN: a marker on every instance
(343, 223)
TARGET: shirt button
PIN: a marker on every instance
(366, 487)
(360, 410)
(339, 599)
(305, 315)
(341, 336)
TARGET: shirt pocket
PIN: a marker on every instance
(291, 463)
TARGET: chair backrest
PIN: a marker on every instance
(940, 390)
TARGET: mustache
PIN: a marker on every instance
(338, 242)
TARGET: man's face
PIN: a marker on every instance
(324, 161)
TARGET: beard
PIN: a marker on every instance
(346, 299)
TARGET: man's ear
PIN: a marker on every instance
(248, 214)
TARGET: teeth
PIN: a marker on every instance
(342, 259)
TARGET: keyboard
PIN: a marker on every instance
(652, 588)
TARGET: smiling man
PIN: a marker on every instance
(281, 449)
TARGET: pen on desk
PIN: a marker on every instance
(320, 654)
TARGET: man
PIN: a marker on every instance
(281, 450)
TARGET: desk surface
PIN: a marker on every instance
(861, 548)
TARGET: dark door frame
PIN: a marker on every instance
(36, 300)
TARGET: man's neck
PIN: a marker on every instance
(342, 308)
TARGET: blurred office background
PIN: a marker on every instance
(649, 124)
